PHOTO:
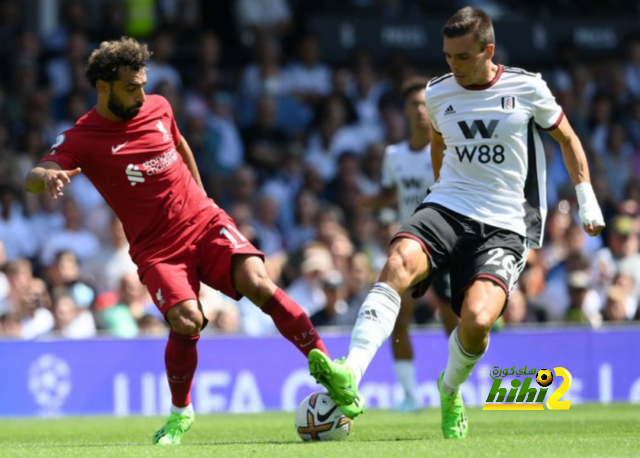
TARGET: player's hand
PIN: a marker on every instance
(55, 180)
(590, 213)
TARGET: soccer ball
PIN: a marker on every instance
(544, 377)
(318, 418)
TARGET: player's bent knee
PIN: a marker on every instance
(477, 320)
(186, 318)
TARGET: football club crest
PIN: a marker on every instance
(508, 103)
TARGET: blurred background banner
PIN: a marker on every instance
(419, 39)
(121, 377)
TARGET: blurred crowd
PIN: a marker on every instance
(288, 144)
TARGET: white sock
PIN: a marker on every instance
(375, 322)
(183, 410)
(459, 366)
(406, 374)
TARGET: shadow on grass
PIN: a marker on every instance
(206, 444)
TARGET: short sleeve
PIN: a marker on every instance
(546, 112)
(432, 114)
(62, 154)
(175, 132)
(388, 177)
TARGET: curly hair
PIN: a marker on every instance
(105, 61)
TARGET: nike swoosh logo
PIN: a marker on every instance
(323, 418)
(302, 345)
(115, 149)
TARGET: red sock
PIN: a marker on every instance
(293, 323)
(181, 359)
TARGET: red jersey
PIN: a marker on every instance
(135, 166)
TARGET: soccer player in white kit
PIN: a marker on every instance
(407, 173)
(486, 208)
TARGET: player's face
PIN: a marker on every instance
(126, 94)
(467, 61)
(416, 110)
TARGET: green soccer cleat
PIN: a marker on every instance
(339, 381)
(454, 416)
(171, 433)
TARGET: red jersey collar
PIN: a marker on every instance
(481, 87)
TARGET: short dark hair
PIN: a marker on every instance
(471, 20)
(105, 61)
(413, 84)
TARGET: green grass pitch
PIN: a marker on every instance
(582, 431)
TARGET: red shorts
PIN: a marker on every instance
(208, 261)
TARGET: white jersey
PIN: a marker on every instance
(494, 166)
(410, 172)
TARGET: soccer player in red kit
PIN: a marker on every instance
(130, 148)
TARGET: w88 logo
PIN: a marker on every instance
(483, 153)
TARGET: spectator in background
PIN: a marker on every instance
(35, 319)
(227, 148)
(303, 230)
(308, 289)
(258, 18)
(14, 226)
(10, 325)
(557, 297)
(336, 311)
(159, 68)
(265, 223)
(152, 326)
(622, 255)
(19, 275)
(265, 141)
(365, 98)
(113, 261)
(372, 168)
(60, 70)
(73, 19)
(65, 272)
(76, 105)
(222, 312)
(617, 158)
(121, 319)
(615, 305)
(264, 76)
(578, 287)
(307, 77)
(46, 218)
(599, 123)
(287, 182)
(70, 320)
(74, 238)
(335, 131)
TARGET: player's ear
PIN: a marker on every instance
(490, 50)
(102, 87)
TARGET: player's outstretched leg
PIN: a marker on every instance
(175, 428)
(454, 416)
(250, 279)
(181, 360)
(339, 380)
(483, 302)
